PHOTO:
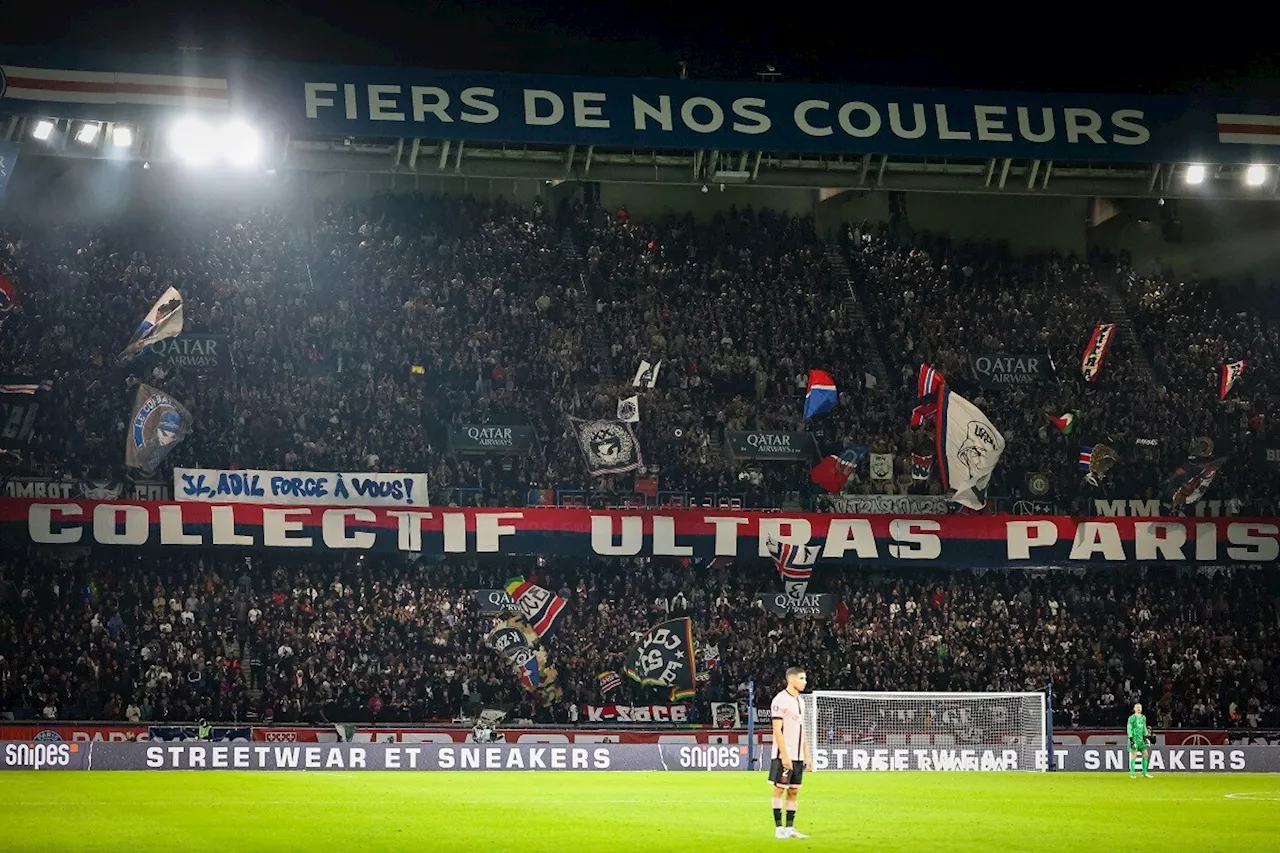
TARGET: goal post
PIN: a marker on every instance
(854, 730)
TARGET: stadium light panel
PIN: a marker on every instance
(240, 144)
(44, 129)
(1256, 176)
(88, 133)
(122, 137)
(1195, 174)
(193, 142)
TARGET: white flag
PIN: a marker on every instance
(629, 409)
(647, 374)
(972, 449)
(870, 380)
(164, 320)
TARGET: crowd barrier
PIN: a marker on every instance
(185, 755)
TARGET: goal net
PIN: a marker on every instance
(851, 730)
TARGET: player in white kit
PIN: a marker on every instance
(790, 752)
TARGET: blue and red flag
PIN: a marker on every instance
(1086, 458)
(928, 381)
(820, 394)
(540, 607)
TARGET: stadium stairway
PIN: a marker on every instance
(1120, 316)
(594, 343)
(875, 364)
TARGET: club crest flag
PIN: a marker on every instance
(665, 658)
(540, 607)
(159, 424)
(795, 565)
(164, 320)
(820, 394)
(629, 409)
(1096, 351)
(647, 374)
(969, 448)
(1230, 373)
(609, 447)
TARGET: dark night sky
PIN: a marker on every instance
(1082, 48)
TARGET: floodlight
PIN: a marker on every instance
(122, 137)
(88, 133)
(192, 141)
(44, 129)
(1195, 174)
(1256, 176)
(240, 144)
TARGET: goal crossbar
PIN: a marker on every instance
(869, 730)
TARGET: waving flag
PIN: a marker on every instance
(1086, 458)
(8, 296)
(629, 409)
(609, 682)
(1192, 479)
(921, 467)
(665, 658)
(795, 564)
(1096, 351)
(1230, 373)
(164, 320)
(833, 472)
(969, 448)
(540, 607)
(1065, 423)
(647, 374)
(820, 395)
(928, 382)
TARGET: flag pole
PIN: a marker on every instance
(751, 725)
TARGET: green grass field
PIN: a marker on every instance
(620, 812)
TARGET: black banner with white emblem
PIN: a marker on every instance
(608, 447)
(20, 400)
(664, 658)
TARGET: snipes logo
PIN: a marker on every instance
(39, 756)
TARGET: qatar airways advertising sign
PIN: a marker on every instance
(959, 540)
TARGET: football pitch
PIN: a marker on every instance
(620, 812)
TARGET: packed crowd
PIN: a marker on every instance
(946, 304)
(345, 640)
(525, 316)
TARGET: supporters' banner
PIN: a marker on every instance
(608, 447)
(20, 400)
(1230, 373)
(1001, 370)
(881, 466)
(99, 490)
(8, 160)
(301, 488)
(885, 540)
(241, 734)
(647, 374)
(635, 713)
(969, 448)
(494, 601)
(1095, 352)
(888, 504)
(540, 607)
(1192, 479)
(794, 564)
(921, 467)
(159, 424)
(609, 682)
(665, 658)
(194, 351)
(785, 604)
(1039, 484)
(507, 640)
(163, 321)
(771, 446)
(502, 440)
(726, 715)
(629, 409)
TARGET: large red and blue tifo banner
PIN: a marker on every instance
(989, 540)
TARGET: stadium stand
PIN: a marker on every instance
(523, 316)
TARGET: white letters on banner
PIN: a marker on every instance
(299, 488)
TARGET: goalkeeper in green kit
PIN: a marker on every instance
(1139, 748)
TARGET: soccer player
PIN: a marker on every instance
(1138, 745)
(791, 752)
